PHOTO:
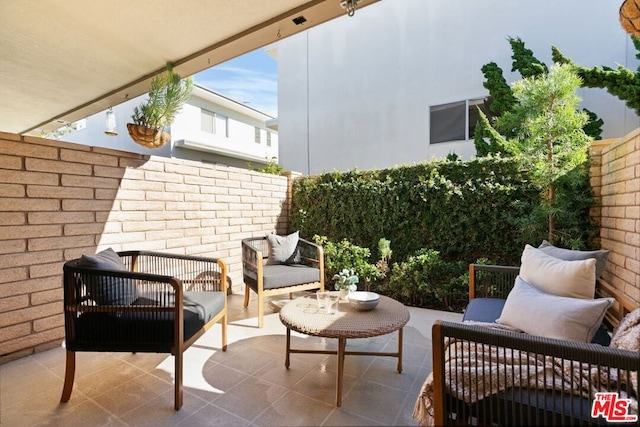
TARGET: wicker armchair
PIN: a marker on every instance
(472, 364)
(276, 279)
(155, 303)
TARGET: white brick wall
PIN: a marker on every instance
(60, 200)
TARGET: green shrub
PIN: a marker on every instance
(425, 280)
(272, 167)
(488, 207)
(464, 210)
(345, 255)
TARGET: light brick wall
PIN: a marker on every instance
(615, 178)
(60, 200)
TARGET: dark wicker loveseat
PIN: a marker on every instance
(141, 301)
(478, 348)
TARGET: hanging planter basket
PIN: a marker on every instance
(630, 17)
(148, 137)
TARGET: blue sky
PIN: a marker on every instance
(250, 79)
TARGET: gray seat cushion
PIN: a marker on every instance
(281, 276)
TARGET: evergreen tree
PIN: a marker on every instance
(523, 60)
(621, 82)
(498, 87)
(549, 137)
(489, 141)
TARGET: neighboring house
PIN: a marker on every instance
(210, 127)
(395, 83)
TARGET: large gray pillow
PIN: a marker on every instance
(575, 279)
(599, 255)
(282, 249)
(108, 290)
(537, 313)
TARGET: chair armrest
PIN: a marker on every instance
(620, 308)
(491, 281)
(252, 257)
(253, 253)
(77, 279)
(310, 253)
(196, 273)
(599, 364)
(154, 275)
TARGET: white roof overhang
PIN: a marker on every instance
(62, 60)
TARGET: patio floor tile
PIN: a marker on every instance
(247, 385)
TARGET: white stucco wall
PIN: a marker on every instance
(238, 141)
(356, 92)
(237, 148)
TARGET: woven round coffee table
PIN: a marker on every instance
(303, 315)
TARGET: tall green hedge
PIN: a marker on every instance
(463, 210)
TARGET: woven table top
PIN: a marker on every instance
(303, 315)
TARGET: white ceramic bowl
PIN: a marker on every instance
(363, 301)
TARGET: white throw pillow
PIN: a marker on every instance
(282, 249)
(537, 313)
(576, 279)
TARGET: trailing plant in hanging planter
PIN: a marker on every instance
(167, 93)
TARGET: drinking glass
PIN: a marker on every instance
(322, 298)
(332, 300)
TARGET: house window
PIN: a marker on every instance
(268, 139)
(215, 123)
(257, 135)
(208, 121)
(222, 125)
(456, 121)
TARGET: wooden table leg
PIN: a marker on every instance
(342, 343)
(286, 358)
(400, 350)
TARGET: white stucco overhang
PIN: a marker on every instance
(62, 60)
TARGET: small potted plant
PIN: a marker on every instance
(167, 94)
(346, 281)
